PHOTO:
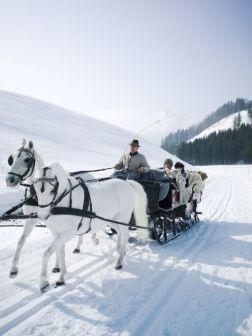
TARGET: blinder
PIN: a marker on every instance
(29, 161)
(10, 160)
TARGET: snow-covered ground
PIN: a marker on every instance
(199, 284)
(223, 125)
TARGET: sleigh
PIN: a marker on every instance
(168, 218)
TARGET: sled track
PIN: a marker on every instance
(164, 296)
(18, 313)
(158, 303)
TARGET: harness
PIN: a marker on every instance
(55, 210)
(85, 212)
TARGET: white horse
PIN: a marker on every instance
(26, 164)
(113, 199)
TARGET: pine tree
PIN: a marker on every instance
(226, 147)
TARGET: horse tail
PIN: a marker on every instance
(140, 210)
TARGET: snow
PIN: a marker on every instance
(199, 284)
(77, 141)
(223, 125)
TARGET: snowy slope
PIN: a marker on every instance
(77, 141)
(223, 125)
(200, 284)
(69, 137)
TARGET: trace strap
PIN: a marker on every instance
(11, 217)
(88, 214)
(27, 201)
(84, 213)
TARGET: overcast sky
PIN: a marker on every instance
(129, 62)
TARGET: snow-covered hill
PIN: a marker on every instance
(223, 124)
(76, 140)
(199, 284)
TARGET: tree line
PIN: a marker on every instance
(172, 140)
(226, 147)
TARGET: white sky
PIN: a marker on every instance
(129, 62)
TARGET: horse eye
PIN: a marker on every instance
(10, 160)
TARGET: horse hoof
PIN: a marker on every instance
(56, 270)
(59, 283)
(44, 287)
(76, 250)
(110, 231)
(118, 267)
(13, 273)
(132, 240)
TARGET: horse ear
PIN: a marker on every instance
(10, 160)
(30, 144)
(23, 142)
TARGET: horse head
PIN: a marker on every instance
(49, 186)
(22, 164)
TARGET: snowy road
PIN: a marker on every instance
(200, 284)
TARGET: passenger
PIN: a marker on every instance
(193, 183)
(132, 165)
(168, 163)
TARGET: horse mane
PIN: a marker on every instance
(39, 160)
(59, 172)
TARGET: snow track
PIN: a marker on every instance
(199, 284)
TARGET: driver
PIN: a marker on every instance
(131, 165)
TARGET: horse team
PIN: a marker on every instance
(115, 199)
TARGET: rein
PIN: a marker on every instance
(88, 171)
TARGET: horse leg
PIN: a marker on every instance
(56, 268)
(28, 227)
(57, 243)
(62, 260)
(122, 240)
(95, 240)
(80, 241)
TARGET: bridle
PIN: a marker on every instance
(30, 164)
